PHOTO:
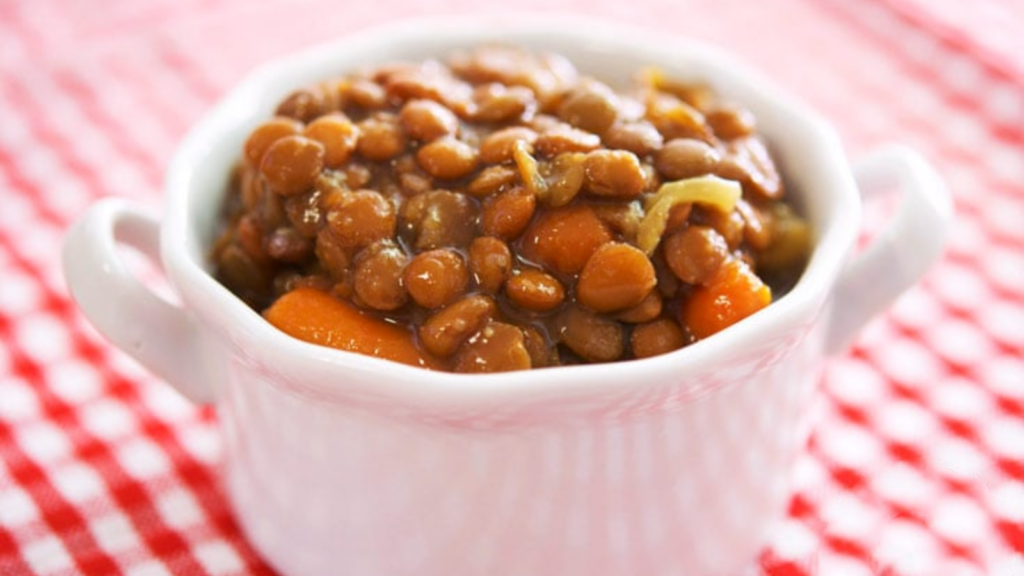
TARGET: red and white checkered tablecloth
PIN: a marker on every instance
(916, 465)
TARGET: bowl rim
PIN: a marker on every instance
(308, 367)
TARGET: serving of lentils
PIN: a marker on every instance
(498, 211)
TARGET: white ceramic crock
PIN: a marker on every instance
(338, 463)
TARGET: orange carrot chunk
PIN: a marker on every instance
(733, 294)
(315, 316)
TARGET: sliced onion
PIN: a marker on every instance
(712, 191)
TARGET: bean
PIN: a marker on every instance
(304, 214)
(648, 309)
(547, 75)
(250, 237)
(730, 122)
(685, 158)
(425, 81)
(492, 180)
(678, 217)
(447, 158)
(443, 332)
(361, 218)
(381, 137)
(497, 347)
(534, 290)
(617, 276)
(790, 245)
(696, 94)
(695, 254)
(622, 219)
(367, 94)
(332, 256)
(507, 214)
(545, 123)
(563, 239)
(303, 105)
(285, 281)
(496, 148)
(265, 135)
(657, 337)
(498, 103)
(640, 138)
(436, 277)
(594, 338)
(730, 226)
(748, 161)
(357, 175)
(436, 219)
(287, 245)
(490, 262)
(269, 211)
(592, 106)
(426, 120)
(251, 188)
(631, 110)
(378, 276)
(292, 164)
(669, 285)
(614, 174)
(565, 138)
(333, 93)
(543, 352)
(554, 75)
(757, 232)
(675, 118)
(338, 135)
(405, 164)
(414, 184)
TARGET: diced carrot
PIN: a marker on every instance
(563, 239)
(315, 316)
(733, 294)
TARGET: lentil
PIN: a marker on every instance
(426, 120)
(490, 262)
(686, 158)
(446, 330)
(436, 277)
(264, 135)
(292, 164)
(381, 137)
(615, 277)
(447, 158)
(614, 173)
(378, 276)
(507, 214)
(337, 134)
(695, 253)
(534, 290)
(499, 211)
(360, 218)
(497, 347)
(656, 337)
(640, 138)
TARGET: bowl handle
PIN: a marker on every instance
(161, 336)
(904, 248)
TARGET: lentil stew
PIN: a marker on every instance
(501, 211)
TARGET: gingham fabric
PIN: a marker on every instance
(916, 463)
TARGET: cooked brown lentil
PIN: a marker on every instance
(492, 204)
